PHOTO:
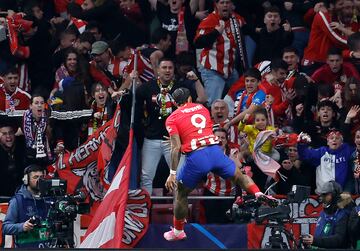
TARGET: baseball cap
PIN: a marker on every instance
(99, 47)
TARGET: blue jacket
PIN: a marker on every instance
(330, 164)
(22, 206)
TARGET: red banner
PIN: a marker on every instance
(79, 167)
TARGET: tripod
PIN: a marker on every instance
(276, 239)
(63, 235)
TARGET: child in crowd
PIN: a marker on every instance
(252, 131)
(260, 136)
(332, 162)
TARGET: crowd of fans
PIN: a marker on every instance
(267, 70)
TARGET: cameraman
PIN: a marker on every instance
(331, 228)
(26, 204)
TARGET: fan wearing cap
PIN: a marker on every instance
(331, 227)
(332, 162)
(103, 67)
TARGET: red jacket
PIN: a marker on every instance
(324, 75)
(20, 97)
(322, 38)
(279, 106)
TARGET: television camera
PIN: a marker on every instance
(272, 213)
(63, 209)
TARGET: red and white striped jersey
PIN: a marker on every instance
(116, 66)
(144, 67)
(221, 55)
(232, 132)
(24, 81)
(219, 186)
(20, 98)
(322, 38)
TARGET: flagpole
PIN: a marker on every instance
(133, 91)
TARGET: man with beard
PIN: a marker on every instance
(101, 67)
(26, 204)
(331, 228)
(154, 103)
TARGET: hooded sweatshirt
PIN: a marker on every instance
(330, 164)
(22, 206)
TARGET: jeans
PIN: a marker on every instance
(151, 153)
(214, 83)
(250, 49)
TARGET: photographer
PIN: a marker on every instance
(25, 209)
(331, 228)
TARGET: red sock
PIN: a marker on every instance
(179, 224)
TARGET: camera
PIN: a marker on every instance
(62, 211)
(35, 220)
(265, 211)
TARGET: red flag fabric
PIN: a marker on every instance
(144, 67)
(79, 167)
(106, 229)
(79, 24)
(105, 153)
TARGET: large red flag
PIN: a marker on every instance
(107, 227)
(79, 167)
(105, 153)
